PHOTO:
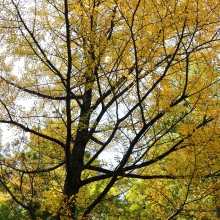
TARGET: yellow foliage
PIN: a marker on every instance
(136, 78)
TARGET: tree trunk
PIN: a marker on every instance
(75, 162)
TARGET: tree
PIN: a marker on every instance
(138, 78)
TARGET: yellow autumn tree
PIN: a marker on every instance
(138, 79)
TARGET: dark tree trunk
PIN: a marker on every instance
(75, 159)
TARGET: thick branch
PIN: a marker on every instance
(33, 132)
(37, 170)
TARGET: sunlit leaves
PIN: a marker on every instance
(138, 79)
